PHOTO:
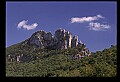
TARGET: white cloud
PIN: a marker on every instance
(85, 19)
(98, 27)
(23, 24)
(100, 16)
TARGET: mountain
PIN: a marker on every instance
(61, 40)
(61, 55)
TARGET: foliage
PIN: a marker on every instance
(58, 63)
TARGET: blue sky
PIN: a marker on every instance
(95, 23)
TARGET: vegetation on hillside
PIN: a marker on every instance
(59, 63)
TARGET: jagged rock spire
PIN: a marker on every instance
(62, 39)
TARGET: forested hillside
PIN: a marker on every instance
(61, 63)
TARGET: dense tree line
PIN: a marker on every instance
(59, 63)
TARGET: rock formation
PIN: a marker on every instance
(62, 39)
(75, 41)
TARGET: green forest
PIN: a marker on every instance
(59, 63)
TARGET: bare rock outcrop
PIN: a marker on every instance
(62, 39)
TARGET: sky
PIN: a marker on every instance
(95, 23)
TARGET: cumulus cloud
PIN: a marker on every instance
(98, 27)
(85, 19)
(23, 24)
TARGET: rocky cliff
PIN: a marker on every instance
(62, 39)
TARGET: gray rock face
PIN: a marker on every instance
(75, 41)
(62, 39)
(41, 39)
